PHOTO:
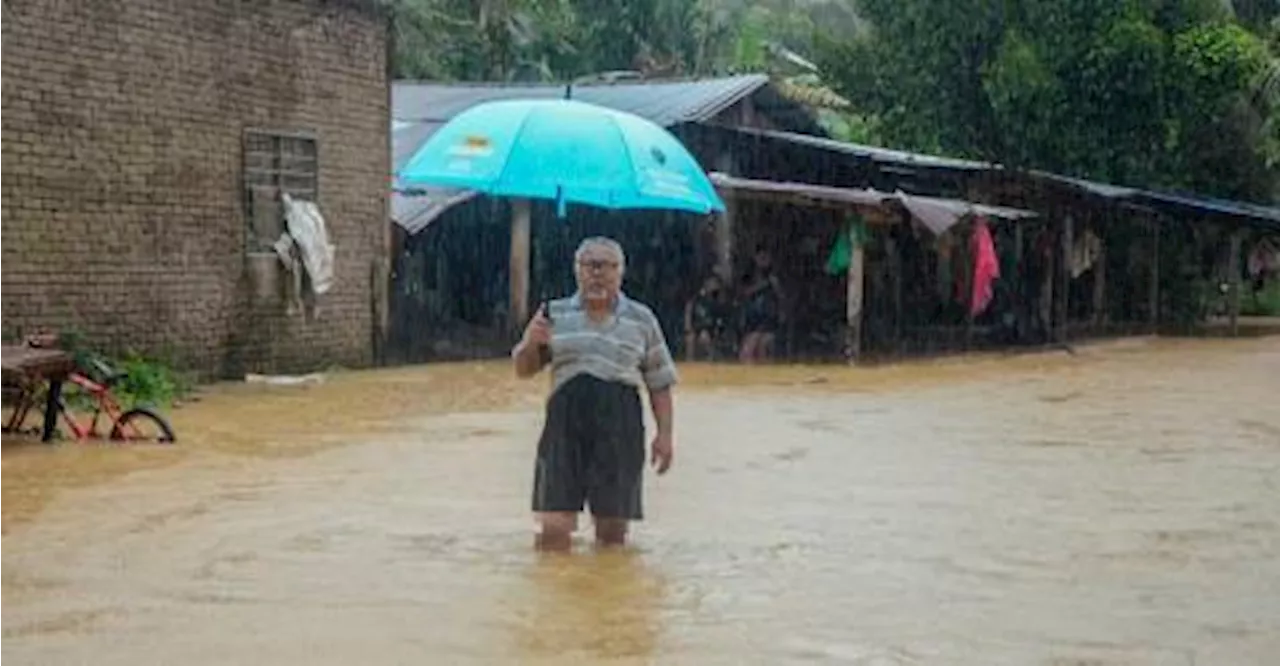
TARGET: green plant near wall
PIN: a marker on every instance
(149, 382)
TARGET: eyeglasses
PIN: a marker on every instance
(598, 266)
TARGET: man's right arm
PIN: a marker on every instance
(534, 350)
(530, 358)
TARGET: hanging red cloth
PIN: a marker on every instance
(986, 266)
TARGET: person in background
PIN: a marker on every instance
(761, 309)
(706, 320)
(602, 348)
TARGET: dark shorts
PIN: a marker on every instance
(592, 450)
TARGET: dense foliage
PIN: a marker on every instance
(1144, 92)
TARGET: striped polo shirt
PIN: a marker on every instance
(628, 347)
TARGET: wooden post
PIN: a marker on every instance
(1233, 267)
(853, 303)
(1021, 312)
(1064, 283)
(725, 163)
(1153, 294)
(894, 249)
(1048, 281)
(970, 262)
(899, 311)
(1100, 286)
(521, 223)
(724, 240)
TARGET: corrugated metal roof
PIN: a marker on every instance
(416, 210)
(810, 191)
(1182, 204)
(418, 109)
(1269, 216)
(666, 103)
(938, 213)
(1259, 215)
(1100, 189)
(872, 152)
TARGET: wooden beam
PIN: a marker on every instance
(521, 225)
(1233, 268)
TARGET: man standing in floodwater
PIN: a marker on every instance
(602, 348)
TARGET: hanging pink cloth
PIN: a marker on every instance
(986, 266)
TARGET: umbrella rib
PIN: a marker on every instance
(515, 136)
(626, 150)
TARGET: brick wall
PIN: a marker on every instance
(123, 210)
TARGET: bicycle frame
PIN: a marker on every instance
(104, 404)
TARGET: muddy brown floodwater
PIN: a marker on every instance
(1116, 507)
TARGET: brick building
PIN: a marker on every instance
(144, 143)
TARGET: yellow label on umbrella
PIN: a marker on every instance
(473, 146)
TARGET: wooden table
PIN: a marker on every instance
(26, 365)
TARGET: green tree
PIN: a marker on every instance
(1147, 92)
(482, 40)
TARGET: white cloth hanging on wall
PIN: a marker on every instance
(306, 226)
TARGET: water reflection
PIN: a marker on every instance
(592, 606)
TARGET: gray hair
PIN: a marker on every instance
(605, 242)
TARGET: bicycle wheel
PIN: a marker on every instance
(142, 425)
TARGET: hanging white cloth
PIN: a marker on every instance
(938, 215)
(307, 228)
(1084, 253)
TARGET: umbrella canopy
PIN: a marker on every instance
(563, 150)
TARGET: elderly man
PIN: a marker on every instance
(602, 348)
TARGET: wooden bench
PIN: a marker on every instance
(25, 367)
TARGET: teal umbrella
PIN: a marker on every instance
(565, 151)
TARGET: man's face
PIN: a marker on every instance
(599, 273)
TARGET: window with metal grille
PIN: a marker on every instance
(276, 163)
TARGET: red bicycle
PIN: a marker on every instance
(138, 424)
